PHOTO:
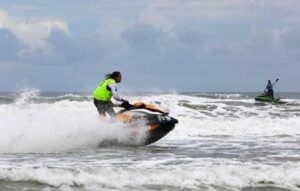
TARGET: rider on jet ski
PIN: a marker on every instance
(269, 89)
(105, 91)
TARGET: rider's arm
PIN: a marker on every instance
(114, 91)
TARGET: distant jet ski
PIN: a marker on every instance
(157, 122)
(266, 98)
(268, 95)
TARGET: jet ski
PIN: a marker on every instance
(269, 99)
(157, 122)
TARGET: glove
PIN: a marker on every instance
(125, 104)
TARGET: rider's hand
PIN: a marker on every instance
(125, 104)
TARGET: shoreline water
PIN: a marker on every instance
(222, 142)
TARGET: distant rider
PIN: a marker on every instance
(105, 91)
(269, 89)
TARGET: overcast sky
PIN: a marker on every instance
(158, 45)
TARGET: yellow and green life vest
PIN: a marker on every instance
(101, 93)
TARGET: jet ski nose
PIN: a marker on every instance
(174, 120)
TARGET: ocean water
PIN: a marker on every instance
(223, 141)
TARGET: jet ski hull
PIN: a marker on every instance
(156, 131)
(158, 125)
(263, 98)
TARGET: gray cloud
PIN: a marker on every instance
(76, 50)
(292, 39)
(9, 46)
(143, 39)
(193, 45)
